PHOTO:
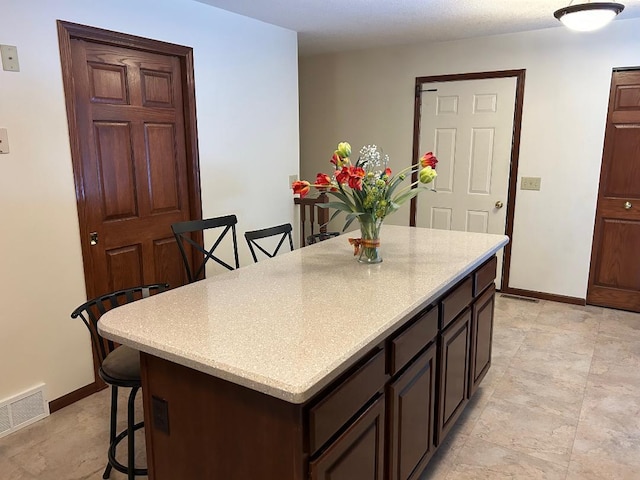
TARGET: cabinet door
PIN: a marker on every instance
(358, 454)
(481, 338)
(411, 406)
(454, 372)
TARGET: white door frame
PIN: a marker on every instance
(515, 149)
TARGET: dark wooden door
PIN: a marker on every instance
(481, 338)
(358, 454)
(454, 373)
(614, 277)
(135, 158)
(412, 412)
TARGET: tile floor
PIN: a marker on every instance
(561, 401)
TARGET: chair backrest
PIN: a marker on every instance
(319, 237)
(182, 232)
(91, 311)
(283, 230)
(313, 219)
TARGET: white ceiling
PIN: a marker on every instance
(335, 25)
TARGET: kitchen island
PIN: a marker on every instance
(310, 365)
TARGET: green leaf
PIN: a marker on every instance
(350, 218)
(336, 205)
(408, 195)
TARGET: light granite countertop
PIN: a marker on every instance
(288, 326)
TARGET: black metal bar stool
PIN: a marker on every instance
(119, 367)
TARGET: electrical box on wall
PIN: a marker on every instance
(9, 54)
(4, 141)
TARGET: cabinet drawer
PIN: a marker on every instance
(333, 411)
(456, 302)
(484, 276)
(358, 453)
(408, 344)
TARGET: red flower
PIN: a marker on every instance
(343, 175)
(302, 187)
(428, 160)
(387, 172)
(355, 182)
(335, 159)
(323, 179)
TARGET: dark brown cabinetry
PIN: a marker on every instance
(411, 407)
(358, 453)
(481, 338)
(381, 420)
(454, 372)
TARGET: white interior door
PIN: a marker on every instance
(468, 125)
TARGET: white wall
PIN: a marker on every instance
(367, 97)
(247, 107)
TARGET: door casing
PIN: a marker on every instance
(515, 151)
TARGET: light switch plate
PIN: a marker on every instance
(4, 141)
(9, 54)
(292, 178)
(530, 183)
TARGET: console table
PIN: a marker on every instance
(312, 366)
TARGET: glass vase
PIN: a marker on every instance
(370, 240)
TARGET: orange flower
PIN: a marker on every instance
(428, 160)
(343, 175)
(302, 187)
(322, 181)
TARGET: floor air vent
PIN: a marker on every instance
(22, 410)
(516, 297)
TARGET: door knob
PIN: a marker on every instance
(93, 238)
(627, 205)
(499, 204)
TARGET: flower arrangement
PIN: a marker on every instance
(368, 191)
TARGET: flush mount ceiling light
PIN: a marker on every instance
(585, 17)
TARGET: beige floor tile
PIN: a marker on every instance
(540, 393)
(620, 351)
(595, 445)
(558, 365)
(602, 470)
(445, 457)
(621, 324)
(611, 405)
(479, 459)
(542, 338)
(544, 436)
(573, 318)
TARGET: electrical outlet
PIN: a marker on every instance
(4, 141)
(530, 183)
(9, 55)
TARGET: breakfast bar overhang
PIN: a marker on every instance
(311, 365)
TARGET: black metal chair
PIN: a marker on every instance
(119, 367)
(319, 237)
(183, 231)
(283, 230)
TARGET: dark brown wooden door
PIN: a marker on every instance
(412, 414)
(134, 162)
(481, 338)
(614, 277)
(358, 454)
(454, 373)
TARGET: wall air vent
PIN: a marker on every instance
(22, 410)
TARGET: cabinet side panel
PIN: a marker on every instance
(216, 429)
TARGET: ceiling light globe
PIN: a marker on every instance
(588, 20)
(586, 17)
